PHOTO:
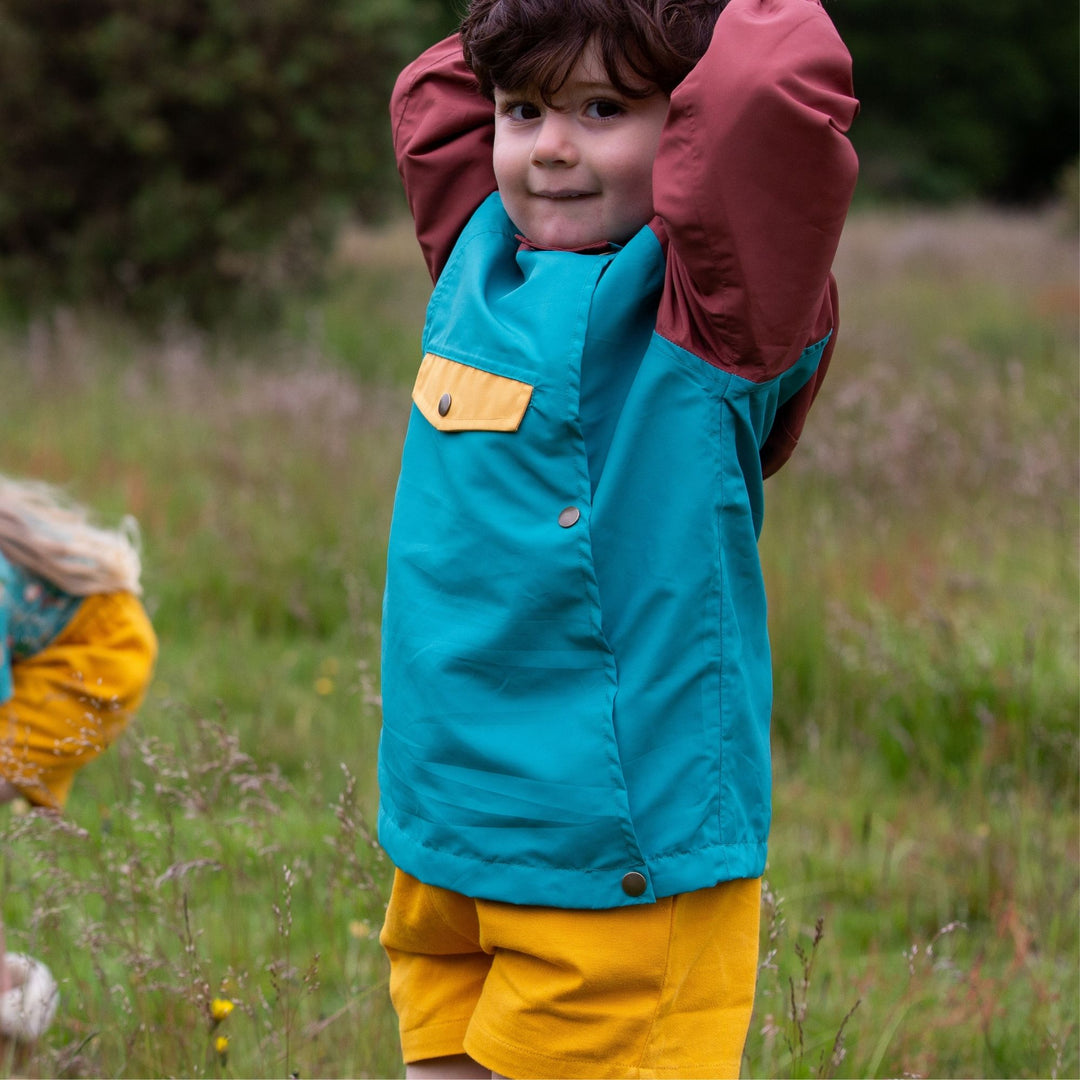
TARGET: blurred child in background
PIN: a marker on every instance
(77, 652)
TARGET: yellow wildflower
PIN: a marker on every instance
(221, 1045)
(220, 1009)
(324, 685)
(359, 929)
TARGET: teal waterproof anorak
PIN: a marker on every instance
(576, 672)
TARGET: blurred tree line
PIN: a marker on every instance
(183, 155)
(963, 98)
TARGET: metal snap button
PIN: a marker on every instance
(444, 404)
(634, 884)
(569, 516)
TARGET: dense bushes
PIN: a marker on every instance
(963, 98)
(181, 155)
(164, 152)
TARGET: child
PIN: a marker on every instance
(629, 209)
(76, 656)
(76, 648)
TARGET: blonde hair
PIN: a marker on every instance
(45, 532)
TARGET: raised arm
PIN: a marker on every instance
(443, 131)
(752, 184)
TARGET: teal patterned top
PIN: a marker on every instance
(33, 611)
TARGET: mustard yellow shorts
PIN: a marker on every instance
(656, 990)
(72, 699)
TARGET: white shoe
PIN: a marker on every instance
(28, 1008)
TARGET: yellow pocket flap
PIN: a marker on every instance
(457, 397)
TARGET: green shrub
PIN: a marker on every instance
(970, 98)
(175, 155)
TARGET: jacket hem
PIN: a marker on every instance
(569, 888)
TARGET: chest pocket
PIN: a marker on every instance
(458, 397)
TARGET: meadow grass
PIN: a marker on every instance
(920, 914)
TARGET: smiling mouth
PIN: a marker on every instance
(559, 196)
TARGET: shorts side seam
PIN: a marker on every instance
(646, 1042)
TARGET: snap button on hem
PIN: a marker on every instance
(634, 884)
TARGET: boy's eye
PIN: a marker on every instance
(521, 110)
(603, 109)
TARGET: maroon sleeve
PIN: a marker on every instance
(790, 417)
(752, 183)
(443, 130)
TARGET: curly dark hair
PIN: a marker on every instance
(643, 44)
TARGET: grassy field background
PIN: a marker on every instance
(922, 905)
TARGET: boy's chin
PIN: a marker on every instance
(569, 235)
(568, 239)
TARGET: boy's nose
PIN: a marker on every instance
(554, 144)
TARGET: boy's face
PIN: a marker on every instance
(577, 172)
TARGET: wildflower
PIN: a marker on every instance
(220, 1009)
(324, 685)
(359, 929)
(221, 1045)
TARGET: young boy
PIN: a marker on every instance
(630, 209)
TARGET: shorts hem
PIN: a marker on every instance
(523, 1063)
(434, 1040)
